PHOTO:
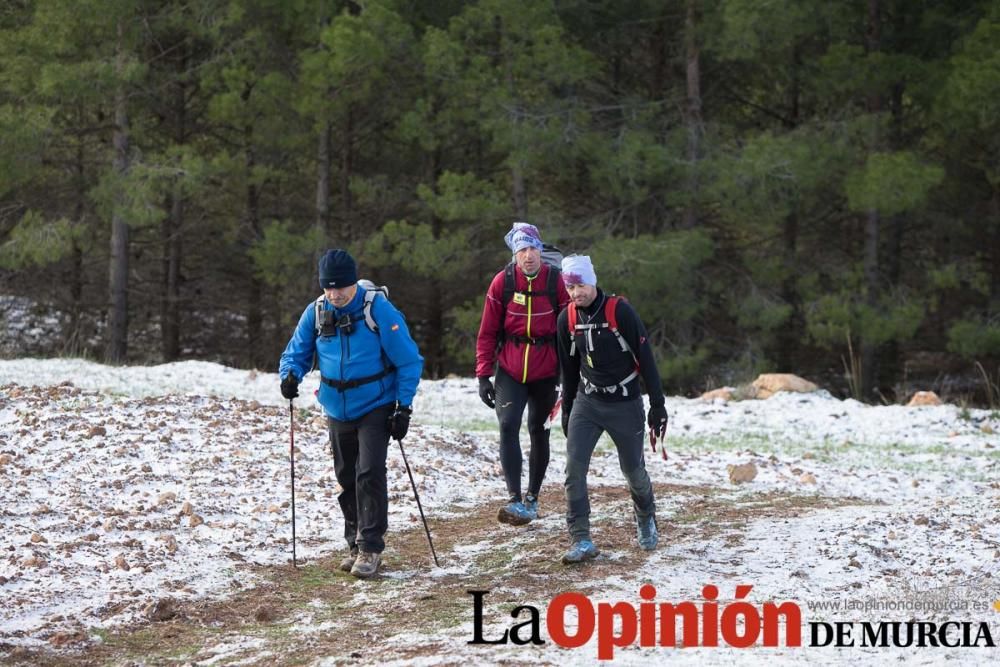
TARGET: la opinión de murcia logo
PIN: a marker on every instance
(739, 624)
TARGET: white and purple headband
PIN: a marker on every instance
(522, 235)
(578, 270)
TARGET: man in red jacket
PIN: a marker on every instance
(518, 336)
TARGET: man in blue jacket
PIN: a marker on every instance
(369, 368)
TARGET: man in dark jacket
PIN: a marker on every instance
(603, 351)
(370, 368)
(522, 320)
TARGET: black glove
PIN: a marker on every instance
(486, 393)
(657, 420)
(290, 386)
(399, 422)
(566, 407)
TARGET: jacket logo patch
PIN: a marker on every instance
(395, 327)
(519, 298)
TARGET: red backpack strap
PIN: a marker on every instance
(610, 316)
(571, 321)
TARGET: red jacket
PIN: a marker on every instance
(534, 318)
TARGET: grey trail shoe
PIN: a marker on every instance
(366, 565)
(348, 562)
(580, 551)
(646, 531)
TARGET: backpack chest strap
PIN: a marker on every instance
(590, 388)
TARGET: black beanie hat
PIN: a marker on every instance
(337, 269)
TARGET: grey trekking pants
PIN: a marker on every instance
(624, 421)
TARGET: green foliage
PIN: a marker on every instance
(463, 197)
(759, 311)
(462, 330)
(776, 175)
(892, 183)
(447, 119)
(834, 317)
(22, 144)
(414, 247)
(37, 241)
(136, 195)
(656, 273)
(282, 253)
(438, 249)
(956, 276)
(975, 338)
(681, 367)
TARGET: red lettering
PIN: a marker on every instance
(606, 638)
(710, 617)
(647, 617)
(668, 623)
(793, 623)
(555, 619)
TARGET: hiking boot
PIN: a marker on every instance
(366, 564)
(514, 513)
(580, 551)
(348, 562)
(531, 506)
(646, 530)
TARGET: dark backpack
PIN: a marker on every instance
(552, 256)
(610, 322)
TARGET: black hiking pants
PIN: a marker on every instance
(511, 398)
(359, 450)
(625, 422)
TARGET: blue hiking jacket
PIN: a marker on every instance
(360, 354)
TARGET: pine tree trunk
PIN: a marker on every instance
(171, 233)
(72, 340)
(693, 118)
(995, 251)
(117, 341)
(788, 335)
(869, 351)
(323, 182)
(255, 319)
(170, 312)
(890, 362)
(346, 171)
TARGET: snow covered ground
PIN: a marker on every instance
(119, 486)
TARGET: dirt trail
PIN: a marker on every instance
(411, 609)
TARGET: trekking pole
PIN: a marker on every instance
(419, 506)
(291, 459)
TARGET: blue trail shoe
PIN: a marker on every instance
(514, 513)
(646, 531)
(531, 505)
(580, 551)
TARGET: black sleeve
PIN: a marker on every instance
(569, 365)
(634, 333)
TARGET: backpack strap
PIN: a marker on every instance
(552, 288)
(318, 312)
(571, 321)
(370, 295)
(611, 317)
(370, 322)
(610, 322)
(343, 385)
(508, 284)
